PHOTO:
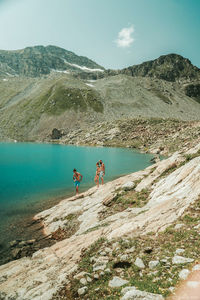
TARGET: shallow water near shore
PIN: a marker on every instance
(33, 177)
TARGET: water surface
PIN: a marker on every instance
(33, 177)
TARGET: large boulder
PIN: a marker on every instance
(56, 134)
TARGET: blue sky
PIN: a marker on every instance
(114, 33)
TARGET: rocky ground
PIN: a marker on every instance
(161, 136)
(143, 249)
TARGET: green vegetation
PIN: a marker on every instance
(161, 96)
(161, 247)
(123, 200)
(60, 98)
(70, 228)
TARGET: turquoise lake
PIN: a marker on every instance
(34, 177)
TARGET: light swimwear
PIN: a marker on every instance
(101, 174)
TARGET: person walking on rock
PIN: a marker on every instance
(77, 178)
(98, 170)
(102, 171)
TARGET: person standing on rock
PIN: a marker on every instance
(77, 178)
(102, 172)
(98, 170)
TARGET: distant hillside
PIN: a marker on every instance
(171, 67)
(76, 93)
(40, 60)
(30, 108)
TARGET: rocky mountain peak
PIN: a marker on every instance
(171, 67)
(40, 60)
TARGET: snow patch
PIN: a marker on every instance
(59, 71)
(83, 67)
(91, 85)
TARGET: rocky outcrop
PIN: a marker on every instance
(40, 276)
(193, 90)
(56, 134)
(171, 67)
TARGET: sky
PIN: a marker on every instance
(113, 33)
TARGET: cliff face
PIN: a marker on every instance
(117, 235)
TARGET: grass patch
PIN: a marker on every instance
(158, 280)
(97, 227)
(124, 200)
(70, 227)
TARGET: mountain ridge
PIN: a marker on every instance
(68, 96)
(40, 60)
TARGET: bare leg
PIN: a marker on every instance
(96, 180)
(77, 190)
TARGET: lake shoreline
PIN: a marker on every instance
(37, 238)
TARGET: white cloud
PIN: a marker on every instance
(125, 38)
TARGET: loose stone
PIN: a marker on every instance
(178, 226)
(139, 263)
(153, 264)
(83, 281)
(117, 282)
(136, 294)
(183, 274)
(181, 260)
(179, 251)
(82, 290)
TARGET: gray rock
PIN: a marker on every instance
(117, 282)
(79, 275)
(102, 273)
(96, 276)
(128, 186)
(123, 257)
(13, 243)
(197, 226)
(107, 271)
(93, 259)
(16, 253)
(83, 281)
(82, 290)
(56, 134)
(196, 268)
(127, 289)
(134, 294)
(99, 267)
(183, 274)
(108, 250)
(171, 289)
(103, 253)
(181, 260)
(153, 264)
(139, 263)
(164, 261)
(178, 226)
(88, 279)
(131, 250)
(22, 244)
(179, 251)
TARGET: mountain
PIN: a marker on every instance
(40, 60)
(77, 99)
(171, 67)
